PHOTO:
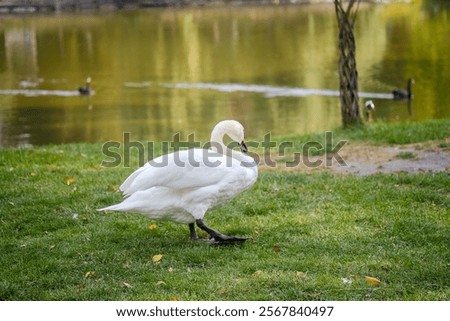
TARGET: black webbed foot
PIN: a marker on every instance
(219, 238)
(227, 239)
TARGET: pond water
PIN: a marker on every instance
(156, 72)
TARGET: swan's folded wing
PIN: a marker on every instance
(186, 169)
(130, 179)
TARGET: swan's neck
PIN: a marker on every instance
(218, 145)
(217, 139)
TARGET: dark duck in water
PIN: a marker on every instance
(86, 90)
(402, 93)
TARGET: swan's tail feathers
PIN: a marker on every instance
(136, 202)
(116, 207)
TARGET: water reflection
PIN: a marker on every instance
(157, 72)
(37, 92)
(272, 91)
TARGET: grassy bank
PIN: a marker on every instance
(380, 133)
(313, 236)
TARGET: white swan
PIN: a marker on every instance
(183, 185)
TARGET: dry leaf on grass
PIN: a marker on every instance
(300, 274)
(152, 227)
(127, 285)
(258, 273)
(157, 258)
(89, 274)
(69, 180)
(372, 281)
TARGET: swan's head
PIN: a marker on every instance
(233, 129)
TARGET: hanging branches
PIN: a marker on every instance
(348, 73)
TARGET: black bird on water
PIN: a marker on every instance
(86, 90)
(402, 93)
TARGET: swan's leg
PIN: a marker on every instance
(217, 236)
(193, 234)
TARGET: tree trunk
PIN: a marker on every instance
(348, 73)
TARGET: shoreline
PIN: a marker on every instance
(43, 6)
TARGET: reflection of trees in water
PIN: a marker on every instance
(278, 46)
(410, 53)
(436, 7)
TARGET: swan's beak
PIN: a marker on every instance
(243, 147)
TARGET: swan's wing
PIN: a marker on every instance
(129, 180)
(186, 169)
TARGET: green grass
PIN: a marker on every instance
(406, 155)
(377, 133)
(54, 245)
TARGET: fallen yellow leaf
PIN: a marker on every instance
(127, 285)
(173, 298)
(372, 281)
(258, 273)
(152, 227)
(157, 258)
(69, 180)
(89, 274)
(300, 274)
(160, 283)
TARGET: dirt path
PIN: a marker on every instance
(365, 159)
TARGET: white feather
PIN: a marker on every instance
(182, 186)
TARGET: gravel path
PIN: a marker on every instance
(364, 159)
(414, 158)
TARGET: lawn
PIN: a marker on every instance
(313, 236)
